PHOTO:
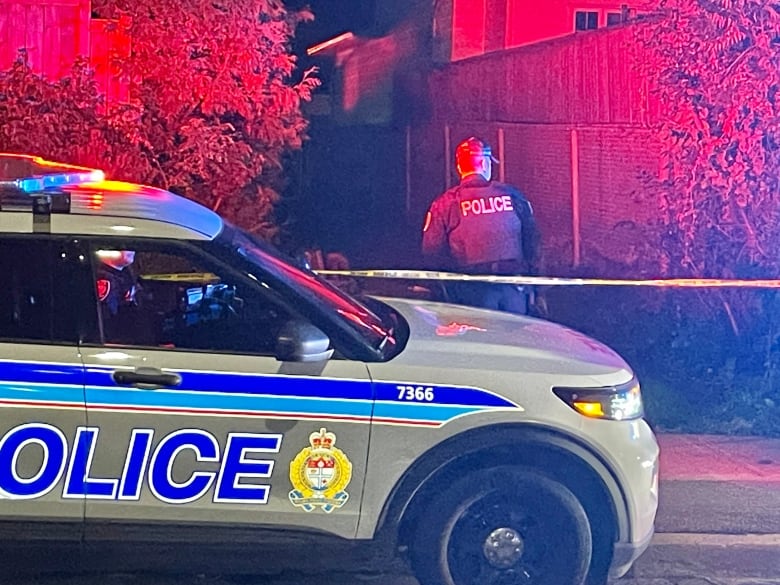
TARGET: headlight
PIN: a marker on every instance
(623, 402)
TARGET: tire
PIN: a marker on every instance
(458, 540)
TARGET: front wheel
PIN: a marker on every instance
(503, 526)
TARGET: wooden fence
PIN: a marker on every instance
(54, 33)
(590, 78)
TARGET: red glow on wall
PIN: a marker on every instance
(483, 26)
(530, 22)
(108, 44)
(468, 28)
(55, 32)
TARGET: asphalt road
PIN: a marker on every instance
(719, 507)
(714, 533)
(709, 533)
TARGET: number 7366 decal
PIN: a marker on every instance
(416, 393)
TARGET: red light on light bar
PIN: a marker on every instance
(95, 200)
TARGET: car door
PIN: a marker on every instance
(193, 418)
(41, 386)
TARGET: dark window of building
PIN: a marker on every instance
(614, 18)
(586, 20)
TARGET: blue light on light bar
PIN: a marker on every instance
(44, 182)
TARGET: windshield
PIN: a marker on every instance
(356, 315)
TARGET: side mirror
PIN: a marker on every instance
(300, 341)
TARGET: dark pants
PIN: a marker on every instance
(501, 297)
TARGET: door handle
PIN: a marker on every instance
(146, 378)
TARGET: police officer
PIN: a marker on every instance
(117, 290)
(116, 285)
(482, 227)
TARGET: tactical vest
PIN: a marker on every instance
(486, 229)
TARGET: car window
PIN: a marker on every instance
(355, 314)
(163, 296)
(38, 284)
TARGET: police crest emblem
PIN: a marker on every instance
(103, 288)
(320, 474)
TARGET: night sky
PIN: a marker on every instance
(333, 17)
(364, 18)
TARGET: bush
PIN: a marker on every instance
(715, 69)
(704, 366)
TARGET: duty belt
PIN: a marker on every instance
(500, 267)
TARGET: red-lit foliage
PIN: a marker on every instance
(715, 65)
(214, 98)
(60, 120)
(213, 106)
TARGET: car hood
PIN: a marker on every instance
(502, 341)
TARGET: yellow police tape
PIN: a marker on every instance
(557, 281)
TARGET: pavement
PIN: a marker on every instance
(719, 458)
(718, 520)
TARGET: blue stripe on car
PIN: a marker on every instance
(267, 394)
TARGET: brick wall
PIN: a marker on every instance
(537, 160)
(615, 211)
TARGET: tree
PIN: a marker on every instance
(59, 119)
(715, 65)
(213, 111)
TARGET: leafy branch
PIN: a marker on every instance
(715, 70)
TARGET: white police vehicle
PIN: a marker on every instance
(171, 386)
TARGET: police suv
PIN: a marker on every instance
(177, 394)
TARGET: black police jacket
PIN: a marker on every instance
(482, 226)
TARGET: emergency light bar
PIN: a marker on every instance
(34, 175)
(33, 185)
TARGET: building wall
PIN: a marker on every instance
(571, 121)
(106, 45)
(482, 26)
(55, 33)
